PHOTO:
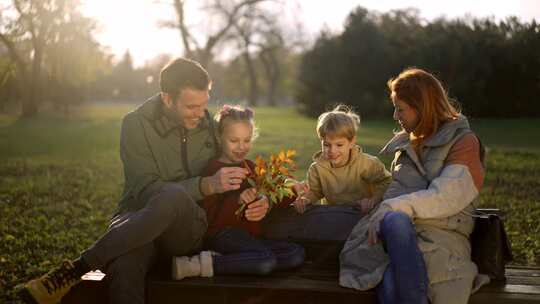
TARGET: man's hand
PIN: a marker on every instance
(257, 210)
(226, 179)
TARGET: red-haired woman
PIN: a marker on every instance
(415, 246)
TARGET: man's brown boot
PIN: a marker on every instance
(51, 287)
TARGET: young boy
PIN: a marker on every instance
(341, 173)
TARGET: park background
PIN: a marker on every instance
(70, 70)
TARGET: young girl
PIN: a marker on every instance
(341, 173)
(234, 245)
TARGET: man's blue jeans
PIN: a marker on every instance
(241, 253)
(405, 279)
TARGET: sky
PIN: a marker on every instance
(134, 24)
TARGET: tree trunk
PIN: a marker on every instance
(273, 72)
(204, 57)
(30, 106)
(253, 95)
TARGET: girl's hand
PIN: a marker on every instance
(247, 196)
(257, 210)
(300, 204)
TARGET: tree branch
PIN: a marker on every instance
(13, 53)
(231, 20)
(185, 35)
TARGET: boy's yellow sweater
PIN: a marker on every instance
(363, 176)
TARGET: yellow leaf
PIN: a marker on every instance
(282, 155)
(291, 153)
(259, 161)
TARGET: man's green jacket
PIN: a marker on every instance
(156, 151)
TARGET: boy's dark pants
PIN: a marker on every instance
(321, 230)
(171, 224)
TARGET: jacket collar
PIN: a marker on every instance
(445, 134)
(152, 110)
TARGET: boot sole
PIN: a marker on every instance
(25, 295)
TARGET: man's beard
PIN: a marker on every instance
(173, 115)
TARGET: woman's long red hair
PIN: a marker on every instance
(424, 93)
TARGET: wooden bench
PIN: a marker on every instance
(315, 282)
(305, 285)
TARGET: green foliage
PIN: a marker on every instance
(490, 68)
(60, 179)
(51, 45)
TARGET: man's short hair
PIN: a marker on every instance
(182, 73)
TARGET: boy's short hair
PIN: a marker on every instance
(340, 122)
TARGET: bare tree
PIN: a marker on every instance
(28, 30)
(73, 60)
(269, 58)
(223, 12)
(252, 27)
(245, 35)
(25, 27)
(6, 81)
(261, 35)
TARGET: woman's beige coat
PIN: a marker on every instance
(437, 197)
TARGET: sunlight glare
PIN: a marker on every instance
(133, 25)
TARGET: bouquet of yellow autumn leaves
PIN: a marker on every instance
(272, 178)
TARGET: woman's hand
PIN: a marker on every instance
(257, 210)
(375, 224)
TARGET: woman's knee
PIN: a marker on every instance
(396, 222)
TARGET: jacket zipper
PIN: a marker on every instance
(184, 153)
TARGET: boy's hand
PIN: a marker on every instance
(300, 188)
(300, 204)
(257, 210)
(247, 196)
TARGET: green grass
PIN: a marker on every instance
(60, 179)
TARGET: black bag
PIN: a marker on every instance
(490, 248)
